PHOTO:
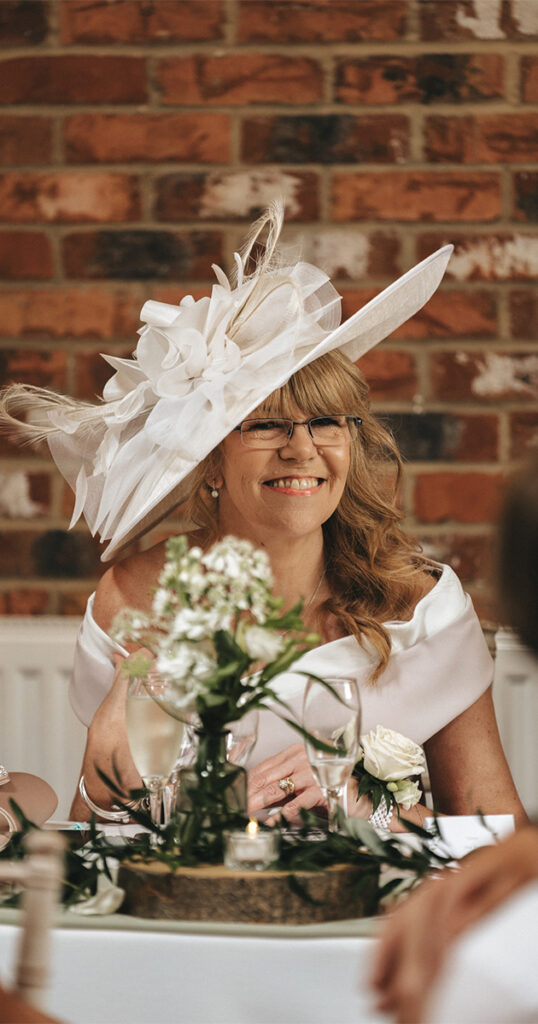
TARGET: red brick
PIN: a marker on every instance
(525, 191)
(25, 140)
(529, 79)
(201, 137)
(499, 257)
(390, 374)
(486, 376)
(469, 556)
(25, 602)
(28, 366)
(162, 21)
(450, 139)
(24, 22)
(237, 79)
(70, 78)
(69, 197)
(235, 195)
(448, 314)
(523, 433)
(416, 196)
(524, 314)
(448, 20)
(461, 497)
(491, 138)
(325, 139)
(124, 255)
(323, 21)
(70, 313)
(53, 554)
(429, 78)
(444, 437)
(16, 553)
(25, 254)
(74, 602)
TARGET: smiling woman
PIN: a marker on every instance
(247, 407)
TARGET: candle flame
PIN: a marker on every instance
(252, 828)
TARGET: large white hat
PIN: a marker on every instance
(199, 369)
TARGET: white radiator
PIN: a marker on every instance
(39, 733)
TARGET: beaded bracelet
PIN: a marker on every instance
(380, 818)
(112, 815)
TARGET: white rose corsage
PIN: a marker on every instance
(387, 771)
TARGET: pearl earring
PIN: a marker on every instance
(214, 492)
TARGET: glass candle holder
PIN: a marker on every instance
(250, 849)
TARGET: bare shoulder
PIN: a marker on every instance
(128, 584)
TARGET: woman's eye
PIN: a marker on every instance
(260, 426)
(327, 421)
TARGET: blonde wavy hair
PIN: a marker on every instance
(373, 567)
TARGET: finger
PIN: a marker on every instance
(302, 780)
(278, 767)
(307, 799)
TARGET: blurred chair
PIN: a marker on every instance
(39, 875)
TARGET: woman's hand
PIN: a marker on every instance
(417, 937)
(107, 748)
(264, 790)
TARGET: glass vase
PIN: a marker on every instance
(211, 797)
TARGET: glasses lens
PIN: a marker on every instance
(329, 430)
(265, 433)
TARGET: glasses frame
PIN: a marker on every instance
(292, 424)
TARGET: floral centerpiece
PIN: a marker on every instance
(218, 637)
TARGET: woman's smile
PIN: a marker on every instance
(296, 486)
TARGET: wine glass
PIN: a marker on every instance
(331, 714)
(154, 737)
(242, 735)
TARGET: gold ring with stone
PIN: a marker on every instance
(287, 785)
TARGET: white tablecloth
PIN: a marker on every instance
(107, 974)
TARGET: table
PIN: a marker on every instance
(115, 970)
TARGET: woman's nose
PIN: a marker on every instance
(300, 445)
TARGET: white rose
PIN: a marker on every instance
(406, 793)
(262, 644)
(390, 756)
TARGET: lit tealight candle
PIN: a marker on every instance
(250, 849)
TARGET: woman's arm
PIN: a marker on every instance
(106, 744)
(467, 767)
(417, 937)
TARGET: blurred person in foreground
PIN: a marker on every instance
(417, 939)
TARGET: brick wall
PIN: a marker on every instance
(138, 137)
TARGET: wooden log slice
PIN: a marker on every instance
(216, 893)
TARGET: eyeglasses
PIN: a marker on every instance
(325, 431)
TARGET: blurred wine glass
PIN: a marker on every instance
(331, 714)
(155, 737)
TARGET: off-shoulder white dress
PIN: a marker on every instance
(439, 666)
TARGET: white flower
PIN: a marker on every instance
(185, 661)
(389, 756)
(262, 644)
(406, 792)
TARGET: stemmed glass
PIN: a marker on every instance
(331, 714)
(155, 736)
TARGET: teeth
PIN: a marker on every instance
(296, 483)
